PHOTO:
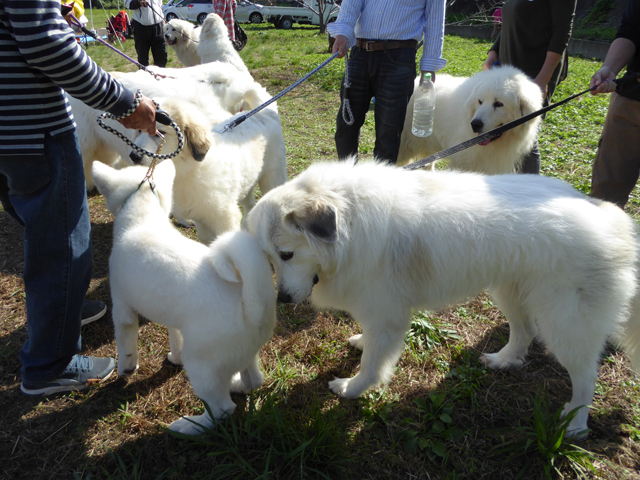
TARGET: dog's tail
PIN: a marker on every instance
(237, 257)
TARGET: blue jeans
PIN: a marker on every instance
(47, 195)
(389, 77)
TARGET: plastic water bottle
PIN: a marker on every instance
(424, 105)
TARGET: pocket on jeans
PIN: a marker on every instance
(402, 57)
(26, 174)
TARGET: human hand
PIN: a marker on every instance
(340, 45)
(604, 80)
(543, 86)
(492, 57)
(143, 117)
(143, 3)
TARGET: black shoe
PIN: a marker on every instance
(92, 310)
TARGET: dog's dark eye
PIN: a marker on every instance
(286, 256)
(480, 102)
(498, 104)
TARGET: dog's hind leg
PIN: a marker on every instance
(125, 322)
(175, 343)
(249, 379)
(381, 349)
(522, 330)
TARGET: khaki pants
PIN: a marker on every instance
(617, 164)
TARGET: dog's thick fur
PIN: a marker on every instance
(215, 44)
(218, 171)
(183, 37)
(380, 241)
(218, 302)
(467, 107)
(218, 87)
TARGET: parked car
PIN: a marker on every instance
(248, 12)
(285, 17)
(198, 10)
(176, 9)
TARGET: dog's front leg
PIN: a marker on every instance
(381, 349)
(125, 322)
(249, 379)
(175, 344)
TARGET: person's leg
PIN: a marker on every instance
(617, 163)
(159, 47)
(142, 39)
(531, 161)
(395, 73)
(359, 96)
(57, 253)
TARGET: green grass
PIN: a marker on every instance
(443, 416)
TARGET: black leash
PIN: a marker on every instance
(496, 132)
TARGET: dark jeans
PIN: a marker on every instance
(387, 76)
(47, 195)
(147, 37)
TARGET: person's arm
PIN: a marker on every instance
(546, 72)
(620, 54)
(431, 60)
(55, 53)
(343, 29)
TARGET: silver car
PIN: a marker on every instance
(247, 12)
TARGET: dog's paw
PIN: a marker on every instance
(238, 386)
(192, 425)
(175, 358)
(340, 386)
(498, 360)
(357, 341)
(126, 371)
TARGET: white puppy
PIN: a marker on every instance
(218, 171)
(183, 37)
(466, 107)
(217, 87)
(215, 44)
(379, 241)
(218, 302)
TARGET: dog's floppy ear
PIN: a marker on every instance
(530, 97)
(104, 177)
(317, 219)
(198, 139)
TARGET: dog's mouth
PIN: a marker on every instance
(486, 142)
(171, 42)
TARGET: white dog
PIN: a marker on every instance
(379, 241)
(183, 37)
(217, 86)
(466, 107)
(218, 302)
(218, 171)
(215, 44)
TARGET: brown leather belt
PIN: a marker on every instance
(375, 45)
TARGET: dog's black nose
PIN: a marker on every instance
(135, 157)
(476, 125)
(315, 279)
(284, 298)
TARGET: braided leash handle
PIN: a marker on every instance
(161, 117)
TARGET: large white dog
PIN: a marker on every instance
(466, 107)
(218, 87)
(218, 171)
(379, 241)
(183, 37)
(218, 302)
(215, 44)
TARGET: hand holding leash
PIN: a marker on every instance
(143, 117)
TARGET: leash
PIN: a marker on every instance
(347, 113)
(496, 132)
(161, 117)
(234, 123)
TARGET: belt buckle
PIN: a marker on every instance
(368, 46)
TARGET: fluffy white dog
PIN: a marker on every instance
(378, 241)
(218, 87)
(215, 44)
(218, 171)
(218, 302)
(183, 37)
(466, 107)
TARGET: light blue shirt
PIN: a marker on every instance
(395, 20)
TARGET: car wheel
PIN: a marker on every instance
(286, 23)
(255, 17)
(201, 18)
(171, 16)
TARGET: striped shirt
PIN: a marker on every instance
(39, 57)
(390, 20)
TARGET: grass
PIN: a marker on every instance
(443, 416)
